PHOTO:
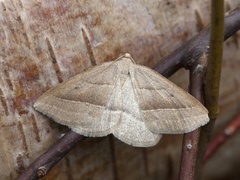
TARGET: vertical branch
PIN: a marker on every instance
(212, 80)
(215, 58)
(190, 140)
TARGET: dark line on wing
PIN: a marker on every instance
(107, 106)
(89, 47)
(157, 92)
(150, 89)
(151, 85)
(50, 106)
(94, 83)
(54, 60)
(169, 96)
(186, 108)
(93, 75)
(136, 97)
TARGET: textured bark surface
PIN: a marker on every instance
(46, 42)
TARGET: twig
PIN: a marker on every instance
(190, 140)
(43, 164)
(229, 131)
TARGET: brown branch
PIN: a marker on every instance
(228, 132)
(43, 164)
(190, 140)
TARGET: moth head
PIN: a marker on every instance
(126, 57)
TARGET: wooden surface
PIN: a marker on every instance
(46, 42)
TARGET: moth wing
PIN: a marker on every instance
(88, 103)
(166, 108)
(132, 129)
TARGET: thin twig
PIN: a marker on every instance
(43, 164)
(229, 131)
(190, 140)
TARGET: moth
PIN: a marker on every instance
(134, 103)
